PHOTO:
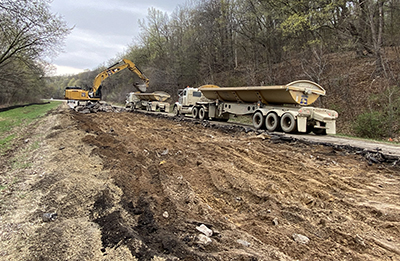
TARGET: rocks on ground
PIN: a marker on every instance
(93, 107)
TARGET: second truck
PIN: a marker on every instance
(275, 108)
(155, 101)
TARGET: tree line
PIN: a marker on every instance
(241, 42)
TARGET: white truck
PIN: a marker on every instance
(155, 101)
(275, 108)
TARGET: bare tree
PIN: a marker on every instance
(376, 23)
(28, 30)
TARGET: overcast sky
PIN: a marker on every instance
(102, 29)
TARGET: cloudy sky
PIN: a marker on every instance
(102, 29)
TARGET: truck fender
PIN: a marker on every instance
(178, 105)
(263, 111)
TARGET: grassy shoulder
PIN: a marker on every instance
(13, 121)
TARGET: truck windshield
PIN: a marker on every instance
(196, 94)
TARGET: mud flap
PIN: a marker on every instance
(212, 111)
(330, 127)
(301, 124)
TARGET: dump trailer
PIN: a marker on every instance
(155, 101)
(275, 108)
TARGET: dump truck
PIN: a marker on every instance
(274, 108)
(155, 101)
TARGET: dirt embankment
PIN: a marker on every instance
(126, 186)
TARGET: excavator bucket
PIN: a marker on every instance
(141, 87)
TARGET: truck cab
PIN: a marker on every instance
(189, 96)
(187, 99)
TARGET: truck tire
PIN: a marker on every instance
(272, 121)
(319, 131)
(203, 115)
(288, 123)
(195, 112)
(175, 111)
(258, 120)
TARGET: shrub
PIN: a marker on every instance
(371, 125)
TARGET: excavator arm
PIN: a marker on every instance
(125, 63)
(133, 68)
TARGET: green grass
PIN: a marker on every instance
(5, 143)
(13, 120)
(35, 145)
(246, 119)
(20, 164)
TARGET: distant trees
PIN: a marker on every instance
(28, 33)
(232, 38)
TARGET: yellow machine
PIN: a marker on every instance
(77, 93)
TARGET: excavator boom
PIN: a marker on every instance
(95, 93)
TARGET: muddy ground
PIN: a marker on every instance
(128, 186)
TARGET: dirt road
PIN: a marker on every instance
(126, 186)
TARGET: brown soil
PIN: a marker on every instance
(127, 186)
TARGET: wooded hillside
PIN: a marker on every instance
(351, 48)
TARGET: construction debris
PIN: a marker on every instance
(97, 107)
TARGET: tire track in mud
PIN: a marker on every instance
(138, 224)
(263, 192)
(145, 199)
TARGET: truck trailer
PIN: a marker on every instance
(275, 108)
(155, 101)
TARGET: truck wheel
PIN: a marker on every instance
(319, 131)
(288, 123)
(203, 115)
(258, 120)
(272, 121)
(195, 112)
(176, 111)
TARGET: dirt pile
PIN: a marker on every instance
(126, 186)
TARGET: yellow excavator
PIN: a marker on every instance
(77, 93)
